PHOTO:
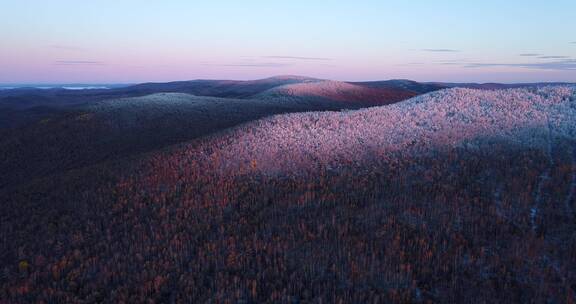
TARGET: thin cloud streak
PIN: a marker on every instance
(530, 55)
(562, 65)
(553, 57)
(79, 62)
(258, 65)
(298, 58)
(441, 50)
(66, 47)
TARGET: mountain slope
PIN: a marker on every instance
(24, 106)
(343, 92)
(497, 86)
(119, 128)
(445, 197)
(116, 128)
(413, 86)
(219, 88)
(450, 118)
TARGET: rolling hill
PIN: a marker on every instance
(446, 119)
(24, 106)
(344, 92)
(81, 135)
(409, 85)
(220, 88)
(454, 196)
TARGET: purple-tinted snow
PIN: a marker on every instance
(455, 118)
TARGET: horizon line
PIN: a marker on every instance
(90, 83)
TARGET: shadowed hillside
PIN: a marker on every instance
(220, 88)
(24, 106)
(344, 92)
(409, 85)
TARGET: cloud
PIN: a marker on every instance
(79, 62)
(462, 61)
(414, 63)
(553, 57)
(573, 42)
(530, 55)
(65, 47)
(257, 65)
(441, 50)
(298, 58)
(559, 65)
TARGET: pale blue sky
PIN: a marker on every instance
(136, 41)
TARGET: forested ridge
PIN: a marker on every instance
(455, 196)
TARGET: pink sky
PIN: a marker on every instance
(65, 41)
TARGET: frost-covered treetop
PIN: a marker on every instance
(454, 118)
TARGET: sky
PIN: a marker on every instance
(126, 41)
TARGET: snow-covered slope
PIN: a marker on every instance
(120, 127)
(455, 118)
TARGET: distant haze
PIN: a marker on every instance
(90, 42)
